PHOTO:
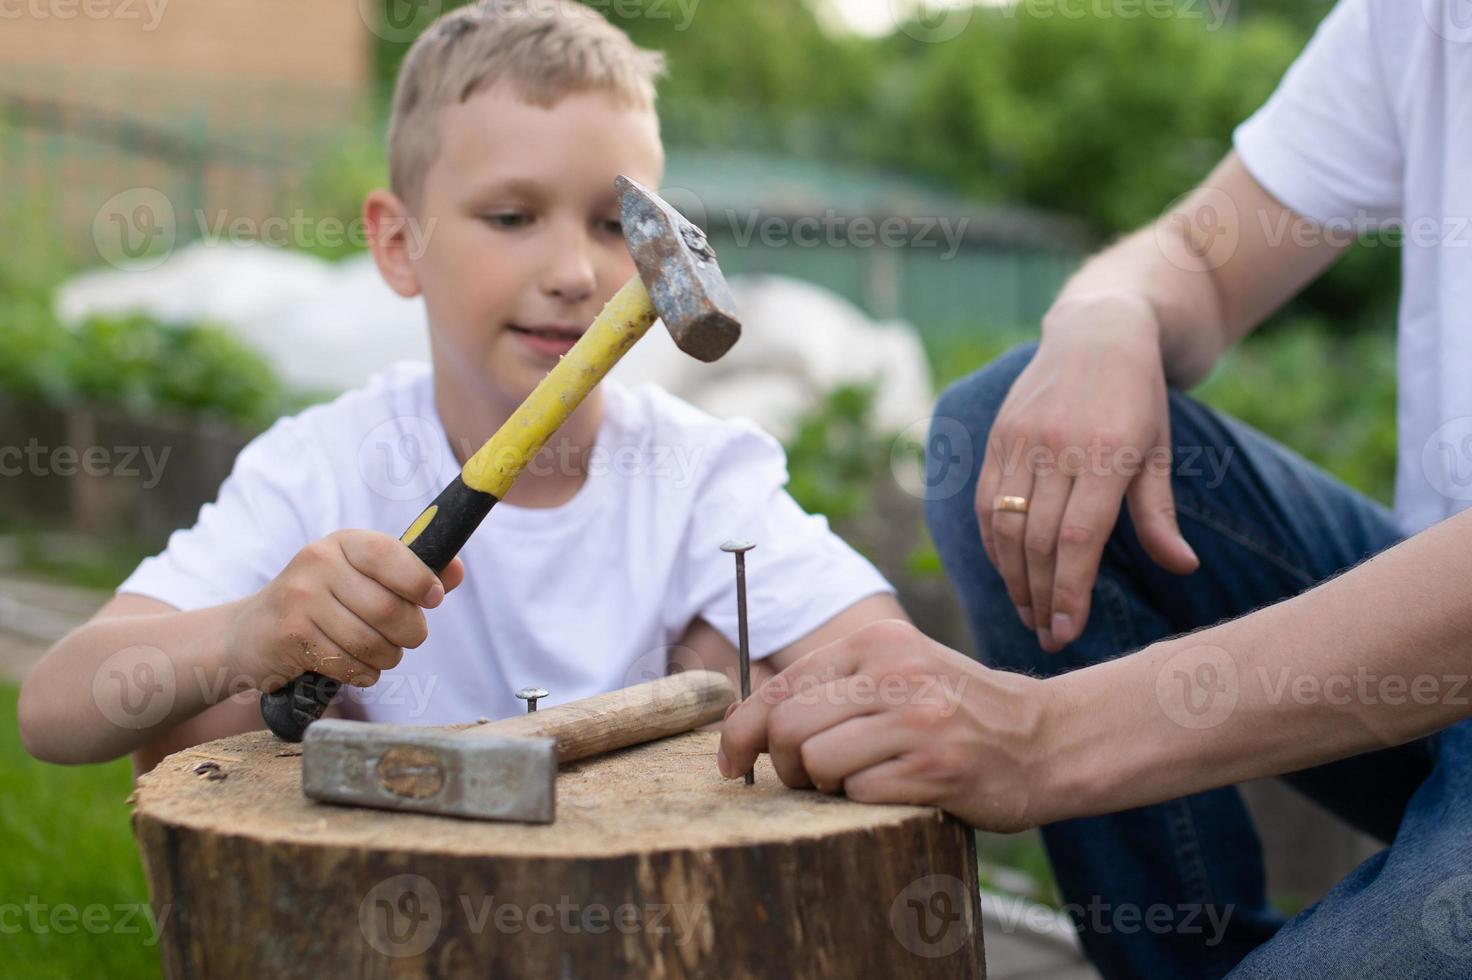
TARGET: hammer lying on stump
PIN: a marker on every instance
(678, 281)
(503, 770)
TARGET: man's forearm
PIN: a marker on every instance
(1209, 271)
(1376, 657)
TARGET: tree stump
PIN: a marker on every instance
(655, 867)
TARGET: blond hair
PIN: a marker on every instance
(547, 49)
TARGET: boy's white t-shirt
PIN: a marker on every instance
(1373, 126)
(579, 599)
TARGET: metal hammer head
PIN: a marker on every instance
(397, 767)
(679, 269)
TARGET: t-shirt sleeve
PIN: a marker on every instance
(799, 576)
(1327, 143)
(275, 500)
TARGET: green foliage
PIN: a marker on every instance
(139, 365)
(834, 458)
(130, 362)
(68, 846)
(336, 184)
(1103, 117)
(1328, 396)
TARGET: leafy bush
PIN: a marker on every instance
(834, 458)
(139, 365)
(131, 362)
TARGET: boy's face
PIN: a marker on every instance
(522, 245)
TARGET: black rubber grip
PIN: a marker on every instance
(459, 509)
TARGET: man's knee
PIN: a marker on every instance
(976, 398)
(957, 443)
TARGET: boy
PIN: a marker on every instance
(601, 568)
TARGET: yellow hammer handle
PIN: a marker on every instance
(626, 318)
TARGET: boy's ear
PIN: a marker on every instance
(387, 219)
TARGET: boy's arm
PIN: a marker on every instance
(134, 677)
(130, 679)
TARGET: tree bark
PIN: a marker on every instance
(655, 867)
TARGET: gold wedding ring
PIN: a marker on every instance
(1015, 505)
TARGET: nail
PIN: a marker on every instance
(1025, 613)
(1062, 626)
(731, 709)
(434, 595)
(722, 763)
(739, 549)
(531, 695)
(1045, 637)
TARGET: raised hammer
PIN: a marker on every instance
(678, 281)
(504, 770)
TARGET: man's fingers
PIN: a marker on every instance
(745, 733)
(892, 781)
(1153, 510)
(1009, 529)
(986, 491)
(1040, 545)
(390, 562)
(1088, 520)
(853, 745)
(814, 708)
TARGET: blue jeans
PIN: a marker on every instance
(1177, 889)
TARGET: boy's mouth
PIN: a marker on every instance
(550, 340)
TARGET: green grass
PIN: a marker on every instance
(73, 902)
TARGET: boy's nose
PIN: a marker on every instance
(569, 271)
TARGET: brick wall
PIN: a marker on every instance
(292, 41)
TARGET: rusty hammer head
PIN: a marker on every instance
(679, 269)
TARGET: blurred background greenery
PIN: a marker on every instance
(1097, 118)
(1102, 119)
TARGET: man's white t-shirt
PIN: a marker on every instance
(1372, 127)
(579, 599)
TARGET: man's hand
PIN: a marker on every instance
(1085, 426)
(888, 715)
(346, 606)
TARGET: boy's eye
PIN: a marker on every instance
(612, 226)
(506, 219)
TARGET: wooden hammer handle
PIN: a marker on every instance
(642, 713)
